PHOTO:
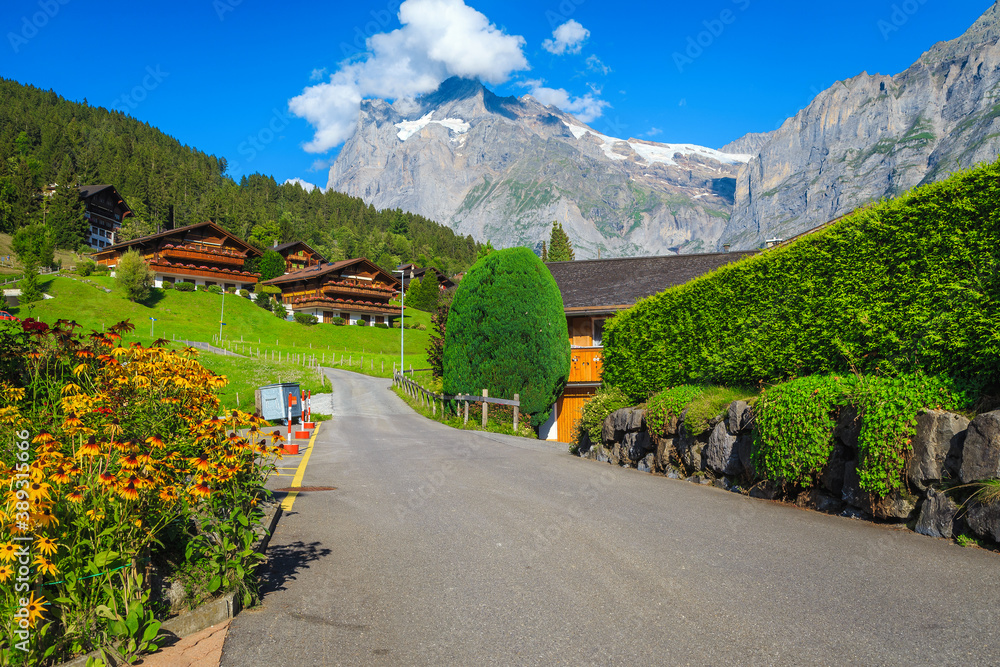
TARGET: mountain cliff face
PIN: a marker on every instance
(874, 136)
(504, 168)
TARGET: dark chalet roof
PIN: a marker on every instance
(247, 248)
(321, 270)
(292, 244)
(87, 191)
(604, 285)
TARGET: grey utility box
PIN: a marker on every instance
(272, 400)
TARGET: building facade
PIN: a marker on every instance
(356, 290)
(105, 210)
(592, 292)
(298, 255)
(203, 253)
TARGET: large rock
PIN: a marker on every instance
(937, 447)
(637, 445)
(744, 449)
(937, 515)
(984, 520)
(848, 428)
(689, 446)
(720, 454)
(895, 506)
(621, 422)
(981, 454)
(738, 417)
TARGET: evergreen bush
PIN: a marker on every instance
(132, 274)
(214, 289)
(506, 332)
(904, 286)
(184, 286)
(337, 321)
(166, 285)
(305, 318)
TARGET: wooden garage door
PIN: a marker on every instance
(569, 408)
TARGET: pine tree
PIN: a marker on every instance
(560, 249)
(545, 253)
(30, 291)
(65, 212)
(271, 265)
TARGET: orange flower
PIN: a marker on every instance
(276, 436)
(129, 462)
(44, 517)
(106, 479)
(89, 449)
(128, 491)
(75, 496)
(72, 421)
(60, 476)
(168, 494)
(200, 463)
(155, 441)
(200, 489)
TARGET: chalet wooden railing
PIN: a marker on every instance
(201, 256)
(347, 289)
(321, 302)
(586, 364)
(430, 399)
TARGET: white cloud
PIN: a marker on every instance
(587, 108)
(306, 185)
(438, 39)
(569, 38)
(594, 64)
(317, 74)
(653, 131)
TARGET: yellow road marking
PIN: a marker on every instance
(286, 504)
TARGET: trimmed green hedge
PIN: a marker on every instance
(506, 332)
(904, 286)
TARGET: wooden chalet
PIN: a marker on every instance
(298, 255)
(105, 209)
(593, 291)
(203, 253)
(356, 290)
(414, 272)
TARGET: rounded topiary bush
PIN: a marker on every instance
(506, 332)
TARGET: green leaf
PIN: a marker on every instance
(214, 584)
(151, 631)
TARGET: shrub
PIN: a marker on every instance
(305, 318)
(213, 289)
(263, 300)
(184, 286)
(903, 286)
(381, 325)
(279, 309)
(86, 267)
(337, 321)
(506, 331)
(361, 323)
(421, 327)
(102, 269)
(596, 410)
(133, 275)
(271, 289)
(166, 285)
(271, 265)
(244, 293)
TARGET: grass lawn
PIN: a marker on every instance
(249, 330)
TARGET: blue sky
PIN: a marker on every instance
(219, 74)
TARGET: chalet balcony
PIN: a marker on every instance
(334, 289)
(202, 271)
(190, 254)
(328, 303)
(586, 364)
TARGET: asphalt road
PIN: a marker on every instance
(442, 547)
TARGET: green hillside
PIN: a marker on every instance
(45, 138)
(249, 330)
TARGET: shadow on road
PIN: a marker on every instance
(285, 560)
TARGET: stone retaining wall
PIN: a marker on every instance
(947, 450)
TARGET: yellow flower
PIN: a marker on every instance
(46, 545)
(5, 572)
(75, 496)
(95, 515)
(8, 552)
(90, 448)
(35, 608)
(46, 566)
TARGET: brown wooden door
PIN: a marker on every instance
(569, 408)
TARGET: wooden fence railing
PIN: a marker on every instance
(430, 399)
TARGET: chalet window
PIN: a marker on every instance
(598, 331)
(209, 284)
(378, 319)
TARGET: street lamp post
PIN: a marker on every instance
(402, 314)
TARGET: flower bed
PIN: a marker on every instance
(122, 472)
